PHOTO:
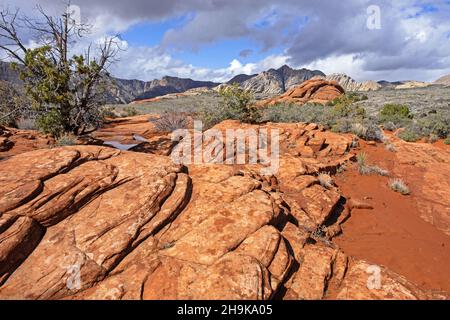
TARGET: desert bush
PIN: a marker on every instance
(353, 119)
(235, 103)
(392, 111)
(343, 117)
(368, 130)
(437, 124)
(399, 186)
(108, 112)
(395, 116)
(390, 126)
(348, 110)
(291, 113)
(348, 99)
(130, 111)
(432, 138)
(238, 103)
(343, 125)
(171, 121)
(370, 170)
(51, 123)
(210, 117)
(447, 141)
(66, 139)
(411, 134)
(390, 147)
(66, 89)
(26, 124)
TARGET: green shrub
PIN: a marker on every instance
(391, 109)
(437, 124)
(341, 118)
(66, 139)
(50, 123)
(291, 113)
(235, 103)
(348, 99)
(390, 126)
(108, 112)
(396, 115)
(238, 104)
(411, 134)
(130, 111)
(343, 125)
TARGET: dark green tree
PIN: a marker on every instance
(65, 88)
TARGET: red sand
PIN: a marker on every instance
(393, 234)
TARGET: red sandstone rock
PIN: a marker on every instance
(14, 141)
(432, 185)
(137, 226)
(312, 91)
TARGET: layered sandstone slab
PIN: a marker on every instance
(312, 91)
(89, 222)
(96, 205)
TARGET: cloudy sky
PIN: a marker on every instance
(217, 39)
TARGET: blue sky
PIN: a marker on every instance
(218, 39)
(216, 54)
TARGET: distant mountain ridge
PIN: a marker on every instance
(349, 84)
(275, 81)
(167, 85)
(264, 85)
(445, 80)
(123, 90)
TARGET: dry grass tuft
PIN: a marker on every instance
(399, 186)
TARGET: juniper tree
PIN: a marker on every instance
(65, 89)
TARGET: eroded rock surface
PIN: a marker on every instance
(89, 222)
(15, 141)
